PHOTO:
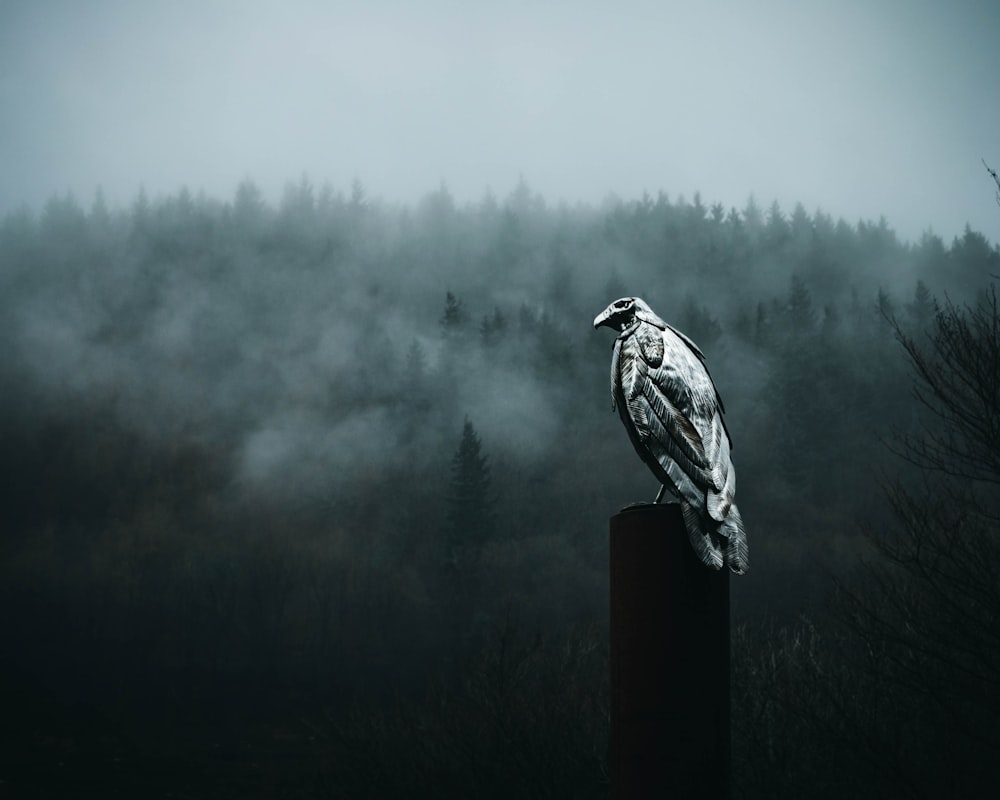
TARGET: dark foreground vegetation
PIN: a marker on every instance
(312, 501)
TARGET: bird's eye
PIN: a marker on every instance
(622, 303)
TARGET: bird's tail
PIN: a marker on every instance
(718, 544)
(737, 549)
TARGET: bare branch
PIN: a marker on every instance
(958, 382)
(996, 179)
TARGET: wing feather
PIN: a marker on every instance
(640, 380)
(722, 492)
(650, 341)
(672, 432)
(615, 374)
(684, 475)
(660, 431)
(687, 341)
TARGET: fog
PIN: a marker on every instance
(861, 109)
(306, 440)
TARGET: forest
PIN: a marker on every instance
(311, 498)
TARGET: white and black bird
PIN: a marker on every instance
(673, 414)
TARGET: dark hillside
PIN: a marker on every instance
(239, 446)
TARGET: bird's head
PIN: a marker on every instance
(625, 311)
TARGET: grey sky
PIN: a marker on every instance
(858, 108)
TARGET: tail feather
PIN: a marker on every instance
(718, 544)
(707, 550)
(737, 549)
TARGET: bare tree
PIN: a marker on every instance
(930, 603)
(957, 381)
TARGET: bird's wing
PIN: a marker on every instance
(687, 340)
(615, 373)
(701, 357)
(676, 419)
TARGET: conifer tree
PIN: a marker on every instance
(799, 308)
(921, 310)
(493, 327)
(454, 317)
(471, 519)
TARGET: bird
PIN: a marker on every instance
(673, 413)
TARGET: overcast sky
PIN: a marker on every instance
(858, 107)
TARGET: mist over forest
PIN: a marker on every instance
(331, 479)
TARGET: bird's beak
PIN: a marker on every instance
(602, 318)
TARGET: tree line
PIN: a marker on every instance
(341, 455)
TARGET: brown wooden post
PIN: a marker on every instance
(669, 662)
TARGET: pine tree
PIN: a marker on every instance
(493, 327)
(921, 310)
(885, 306)
(416, 387)
(777, 228)
(799, 306)
(699, 324)
(454, 317)
(248, 206)
(471, 517)
(415, 366)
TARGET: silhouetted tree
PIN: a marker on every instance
(699, 324)
(248, 206)
(799, 306)
(470, 523)
(885, 306)
(958, 383)
(470, 502)
(454, 317)
(972, 260)
(493, 327)
(777, 230)
(921, 310)
(931, 603)
(753, 218)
